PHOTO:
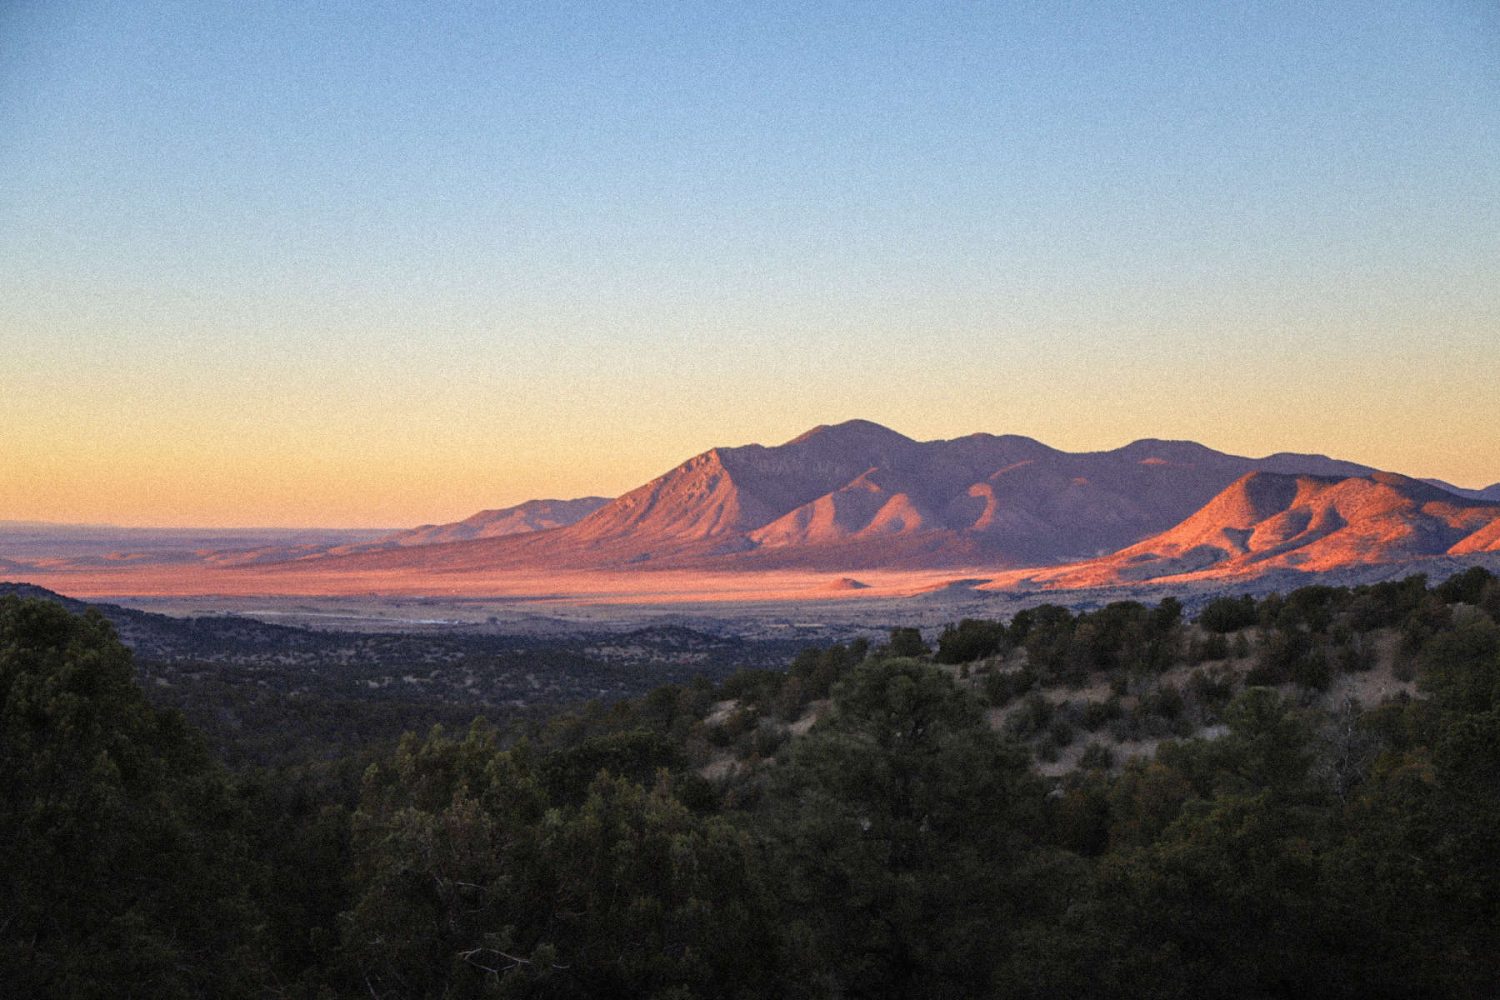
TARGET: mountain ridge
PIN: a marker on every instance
(1491, 492)
(857, 495)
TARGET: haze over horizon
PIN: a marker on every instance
(379, 266)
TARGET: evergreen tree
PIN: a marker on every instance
(125, 872)
(898, 823)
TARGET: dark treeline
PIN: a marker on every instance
(713, 841)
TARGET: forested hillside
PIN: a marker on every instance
(1291, 797)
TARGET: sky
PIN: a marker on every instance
(380, 264)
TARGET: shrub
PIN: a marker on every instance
(1098, 713)
(1312, 670)
(1212, 690)
(1350, 654)
(1228, 614)
(1466, 587)
(1311, 606)
(969, 640)
(907, 642)
(1096, 757)
(1003, 687)
(1048, 750)
(1263, 675)
(1031, 717)
(1166, 701)
(769, 737)
(1213, 647)
(1385, 604)
(1462, 668)
(1489, 600)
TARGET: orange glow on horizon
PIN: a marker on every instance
(384, 446)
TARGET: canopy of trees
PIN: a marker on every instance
(900, 844)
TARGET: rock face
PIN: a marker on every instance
(858, 495)
(1311, 523)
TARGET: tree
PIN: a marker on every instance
(969, 640)
(897, 823)
(907, 642)
(1467, 587)
(1228, 614)
(124, 871)
(473, 881)
(1212, 887)
(1460, 668)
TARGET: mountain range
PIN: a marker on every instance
(858, 496)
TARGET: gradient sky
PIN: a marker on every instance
(388, 263)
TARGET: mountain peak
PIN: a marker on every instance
(1165, 449)
(851, 431)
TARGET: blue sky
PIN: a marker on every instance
(265, 261)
